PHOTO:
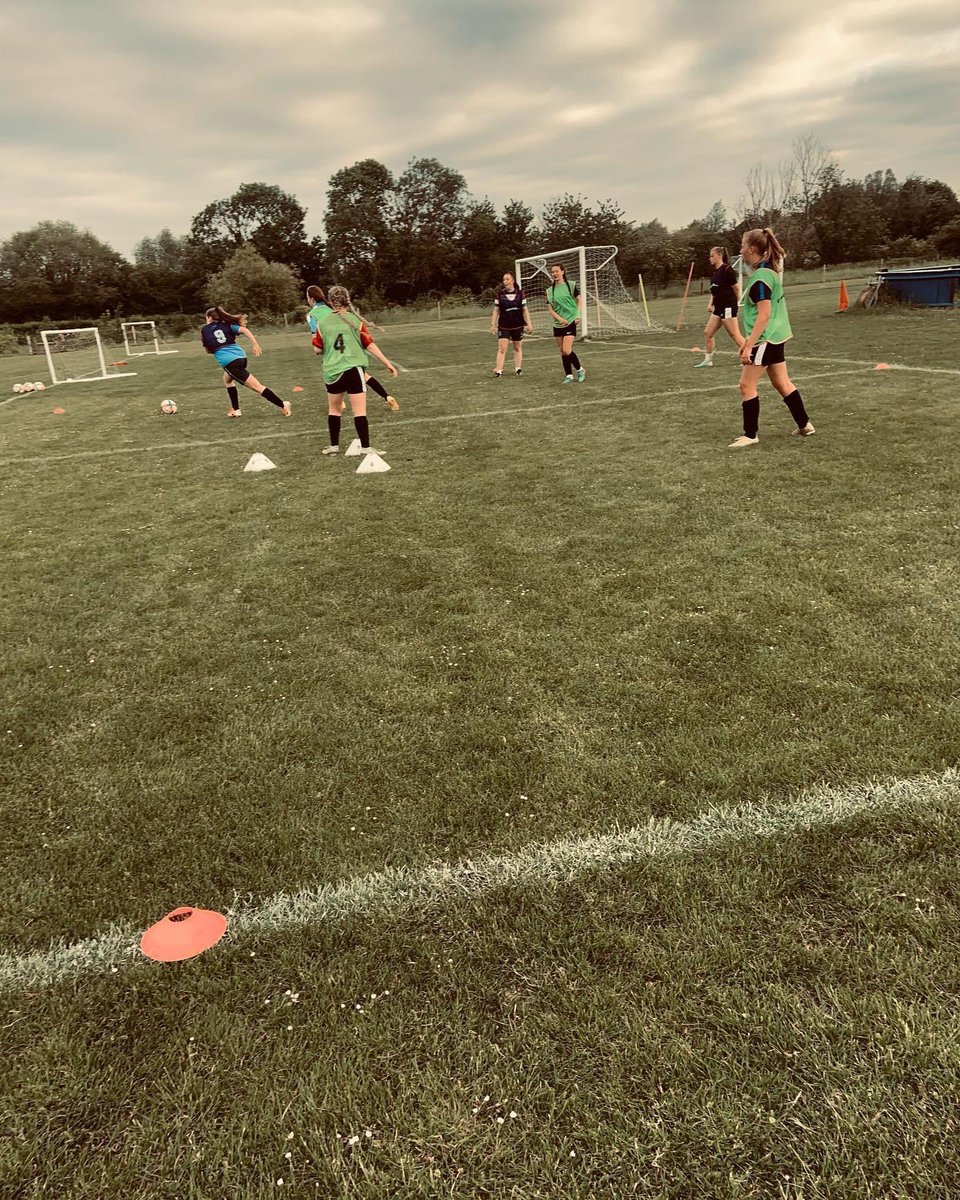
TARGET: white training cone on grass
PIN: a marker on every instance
(354, 450)
(260, 462)
(372, 464)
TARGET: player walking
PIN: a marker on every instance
(767, 324)
(722, 305)
(564, 304)
(509, 321)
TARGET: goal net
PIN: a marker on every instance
(141, 337)
(608, 308)
(76, 356)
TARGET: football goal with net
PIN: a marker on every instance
(141, 337)
(608, 307)
(76, 356)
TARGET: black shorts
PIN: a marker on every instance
(565, 330)
(351, 381)
(237, 369)
(726, 313)
(515, 335)
(768, 354)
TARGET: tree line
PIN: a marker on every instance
(397, 239)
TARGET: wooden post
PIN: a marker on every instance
(643, 297)
(439, 318)
(686, 292)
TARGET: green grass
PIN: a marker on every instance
(539, 624)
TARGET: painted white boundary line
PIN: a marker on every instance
(730, 388)
(791, 358)
(400, 889)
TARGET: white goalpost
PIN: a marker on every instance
(76, 356)
(608, 308)
(141, 337)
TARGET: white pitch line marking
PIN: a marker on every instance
(40, 460)
(400, 889)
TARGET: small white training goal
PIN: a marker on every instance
(608, 308)
(76, 356)
(141, 337)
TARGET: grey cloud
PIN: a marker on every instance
(158, 115)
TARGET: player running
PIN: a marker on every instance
(219, 337)
(565, 305)
(509, 321)
(768, 330)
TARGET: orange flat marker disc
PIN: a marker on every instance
(183, 933)
(298, 389)
(882, 367)
(122, 363)
(695, 350)
(59, 410)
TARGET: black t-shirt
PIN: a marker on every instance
(722, 283)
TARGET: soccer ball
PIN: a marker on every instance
(39, 386)
(26, 387)
(169, 407)
(18, 388)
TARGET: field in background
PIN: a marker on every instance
(566, 612)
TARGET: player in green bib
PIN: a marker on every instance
(767, 325)
(344, 366)
(563, 304)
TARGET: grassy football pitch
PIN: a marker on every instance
(582, 793)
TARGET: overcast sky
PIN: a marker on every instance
(128, 116)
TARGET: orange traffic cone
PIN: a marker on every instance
(844, 305)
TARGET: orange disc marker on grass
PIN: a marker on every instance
(183, 933)
(59, 410)
(882, 367)
(298, 388)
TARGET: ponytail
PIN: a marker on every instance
(764, 241)
(220, 314)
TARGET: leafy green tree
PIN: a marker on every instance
(518, 232)
(162, 280)
(58, 271)
(259, 214)
(484, 255)
(923, 206)
(248, 283)
(848, 224)
(947, 238)
(652, 252)
(428, 221)
(357, 224)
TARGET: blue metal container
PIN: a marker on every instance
(932, 287)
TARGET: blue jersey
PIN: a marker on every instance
(315, 312)
(221, 340)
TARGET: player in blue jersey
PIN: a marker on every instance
(318, 301)
(219, 337)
